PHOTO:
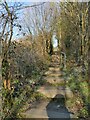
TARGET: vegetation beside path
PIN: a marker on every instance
(76, 80)
(27, 68)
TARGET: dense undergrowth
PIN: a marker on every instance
(76, 79)
(26, 68)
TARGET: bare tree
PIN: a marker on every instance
(39, 21)
(9, 16)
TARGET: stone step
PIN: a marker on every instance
(47, 109)
(55, 57)
(53, 73)
(54, 80)
(54, 68)
(56, 74)
(50, 91)
(55, 62)
(38, 110)
(54, 65)
(42, 114)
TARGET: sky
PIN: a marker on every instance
(29, 2)
(32, 0)
(55, 42)
(45, 0)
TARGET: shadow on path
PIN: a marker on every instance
(56, 109)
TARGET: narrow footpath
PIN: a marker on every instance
(55, 91)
